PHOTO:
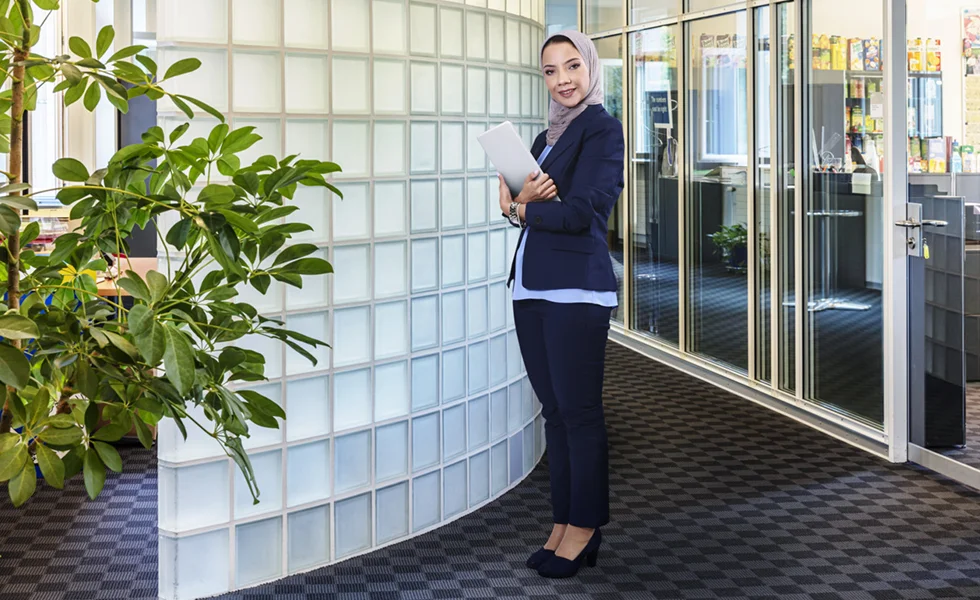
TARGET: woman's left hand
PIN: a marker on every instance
(506, 198)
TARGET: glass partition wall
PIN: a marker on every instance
(723, 129)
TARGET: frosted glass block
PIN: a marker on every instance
(527, 400)
(350, 25)
(267, 468)
(527, 54)
(425, 147)
(514, 7)
(452, 147)
(476, 311)
(526, 83)
(497, 4)
(389, 148)
(425, 211)
(514, 407)
(480, 3)
(389, 26)
(317, 326)
(195, 566)
(453, 375)
(498, 93)
(452, 261)
(498, 360)
(390, 87)
(453, 431)
(308, 472)
(454, 489)
(424, 86)
(495, 39)
(352, 336)
(453, 318)
(307, 88)
(452, 204)
(476, 36)
(209, 83)
(426, 505)
(476, 158)
(425, 264)
(269, 348)
(510, 317)
(309, 538)
(314, 210)
(251, 68)
(390, 330)
(478, 367)
(265, 436)
(425, 442)
(513, 235)
(352, 274)
(479, 478)
(270, 144)
(392, 512)
(350, 213)
(192, 497)
(423, 29)
(353, 525)
(309, 138)
(309, 408)
(476, 256)
(210, 22)
(516, 456)
(255, 22)
(528, 448)
(515, 364)
(513, 45)
(352, 142)
(391, 391)
(174, 448)
(479, 422)
(390, 208)
(352, 461)
(498, 468)
(306, 23)
(352, 96)
(514, 94)
(452, 89)
(451, 32)
(498, 253)
(425, 323)
(425, 382)
(498, 306)
(391, 452)
(390, 269)
(498, 414)
(352, 399)
(476, 91)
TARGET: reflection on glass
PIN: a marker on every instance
(651, 10)
(603, 15)
(611, 58)
(785, 184)
(763, 196)
(654, 259)
(716, 189)
(699, 5)
(560, 14)
(842, 240)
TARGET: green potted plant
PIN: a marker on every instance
(80, 371)
(732, 243)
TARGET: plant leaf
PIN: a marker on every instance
(17, 327)
(9, 220)
(80, 47)
(106, 35)
(70, 169)
(178, 360)
(14, 368)
(126, 52)
(109, 455)
(309, 266)
(216, 194)
(51, 465)
(94, 472)
(181, 67)
(92, 96)
(61, 436)
(158, 285)
(294, 252)
(40, 406)
(177, 236)
(122, 343)
(12, 461)
(22, 486)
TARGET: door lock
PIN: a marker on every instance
(913, 224)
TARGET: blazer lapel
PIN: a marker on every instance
(538, 146)
(570, 137)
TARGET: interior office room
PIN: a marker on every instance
(792, 380)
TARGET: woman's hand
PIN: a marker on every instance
(538, 186)
(505, 196)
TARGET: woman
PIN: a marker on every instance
(565, 290)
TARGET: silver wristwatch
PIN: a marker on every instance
(515, 217)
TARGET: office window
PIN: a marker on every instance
(652, 10)
(604, 15)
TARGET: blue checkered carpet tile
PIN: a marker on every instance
(712, 498)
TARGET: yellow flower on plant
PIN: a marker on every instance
(70, 274)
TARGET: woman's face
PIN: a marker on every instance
(565, 74)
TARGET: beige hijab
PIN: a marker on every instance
(559, 117)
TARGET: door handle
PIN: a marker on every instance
(913, 223)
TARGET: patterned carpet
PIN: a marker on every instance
(970, 455)
(712, 498)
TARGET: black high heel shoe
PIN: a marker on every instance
(539, 558)
(557, 567)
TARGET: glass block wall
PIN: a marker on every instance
(421, 412)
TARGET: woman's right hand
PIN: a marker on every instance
(538, 186)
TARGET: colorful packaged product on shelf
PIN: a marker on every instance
(838, 53)
(937, 155)
(915, 155)
(855, 53)
(826, 62)
(857, 119)
(969, 159)
(934, 59)
(872, 55)
(815, 52)
(915, 55)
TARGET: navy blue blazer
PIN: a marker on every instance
(568, 249)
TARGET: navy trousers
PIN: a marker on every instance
(564, 350)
